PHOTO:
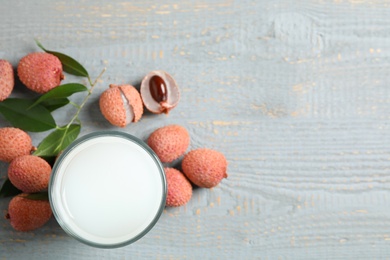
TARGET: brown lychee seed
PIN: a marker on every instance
(179, 189)
(205, 167)
(27, 214)
(40, 71)
(29, 173)
(160, 92)
(7, 80)
(169, 142)
(121, 105)
(14, 142)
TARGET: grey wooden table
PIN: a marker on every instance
(296, 94)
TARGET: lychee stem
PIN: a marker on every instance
(165, 107)
(76, 115)
(33, 149)
(96, 80)
(74, 104)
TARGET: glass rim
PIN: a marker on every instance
(94, 135)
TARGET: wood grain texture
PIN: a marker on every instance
(294, 93)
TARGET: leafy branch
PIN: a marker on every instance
(35, 115)
(63, 136)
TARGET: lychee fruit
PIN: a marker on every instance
(14, 142)
(29, 173)
(27, 214)
(121, 105)
(169, 142)
(160, 92)
(179, 188)
(205, 167)
(7, 81)
(40, 71)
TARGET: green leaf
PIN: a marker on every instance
(62, 91)
(54, 104)
(8, 189)
(38, 196)
(57, 141)
(69, 64)
(17, 112)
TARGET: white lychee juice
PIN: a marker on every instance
(107, 189)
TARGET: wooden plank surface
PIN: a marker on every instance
(296, 94)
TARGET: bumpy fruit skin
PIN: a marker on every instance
(179, 188)
(205, 167)
(40, 71)
(169, 142)
(29, 173)
(121, 104)
(7, 81)
(14, 143)
(26, 214)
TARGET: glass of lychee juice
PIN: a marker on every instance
(107, 189)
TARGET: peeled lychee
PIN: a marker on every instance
(29, 173)
(7, 81)
(121, 104)
(40, 71)
(179, 188)
(205, 167)
(169, 142)
(160, 92)
(14, 143)
(27, 214)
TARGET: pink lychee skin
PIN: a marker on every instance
(14, 142)
(179, 188)
(205, 167)
(26, 214)
(113, 108)
(7, 80)
(29, 173)
(169, 142)
(134, 99)
(40, 71)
